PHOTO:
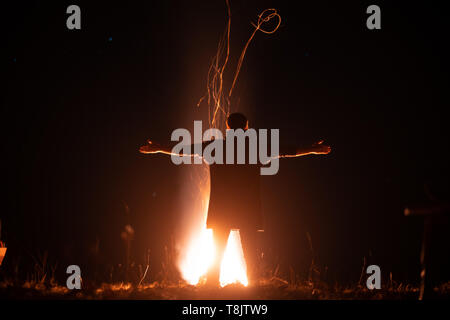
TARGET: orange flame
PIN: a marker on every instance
(200, 252)
(233, 268)
(200, 256)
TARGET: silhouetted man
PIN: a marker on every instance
(235, 197)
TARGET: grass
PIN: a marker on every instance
(267, 289)
(135, 282)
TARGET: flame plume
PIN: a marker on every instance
(199, 253)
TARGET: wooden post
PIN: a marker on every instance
(429, 213)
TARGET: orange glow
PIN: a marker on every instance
(197, 248)
(200, 255)
(199, 252)
(233, 268)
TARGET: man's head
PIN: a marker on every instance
(237, 121)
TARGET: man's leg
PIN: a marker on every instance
(249, 240)
(220, 236)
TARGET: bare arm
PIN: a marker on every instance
(316, 148)
(153, 147)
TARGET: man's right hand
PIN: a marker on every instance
(320, 148)
(150, 147)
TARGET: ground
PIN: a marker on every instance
(270, 290)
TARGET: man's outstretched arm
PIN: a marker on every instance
(316, 148)
(153, 147)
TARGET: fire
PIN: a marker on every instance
(200, 256)
(197, 248)
(233, 268)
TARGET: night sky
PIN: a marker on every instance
(77, 104)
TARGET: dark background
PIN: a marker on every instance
(77, 104)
